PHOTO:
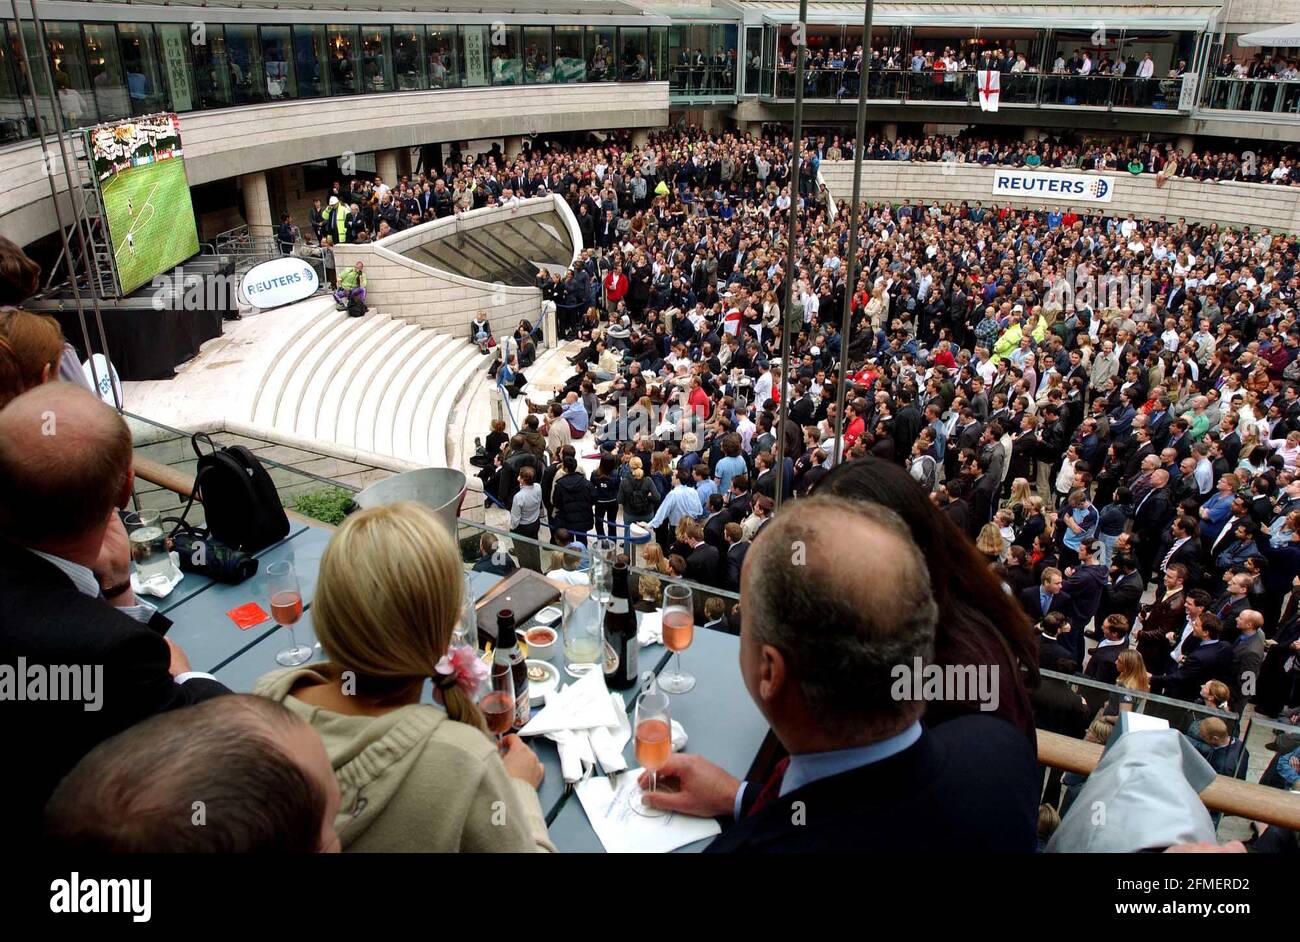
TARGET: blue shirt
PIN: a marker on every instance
(812, 767)
(1085, 517)
(1044, 600)
(1284, 770)
(706, 489)
(682, 501)
(727, 469)
(575, 413)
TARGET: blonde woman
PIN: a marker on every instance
(991, 543)
(414, 777)
(878, 307)
(652, 558)
(1133, 675)
(1020, 492)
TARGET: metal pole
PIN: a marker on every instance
(846, 322)
(796, 146)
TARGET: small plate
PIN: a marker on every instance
(543, 677)
(548, 616)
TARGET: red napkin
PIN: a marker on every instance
(246, 616)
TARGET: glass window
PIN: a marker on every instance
(244, 51)
(474, 45)
(658, 53)
(507, 63)
(13, 122)
(633, 54)
(753, 59)
(408, 58)
(377, 58)
(211, 76)
(537, 55)
(277, 63)
(311, 61)
(345, 48)
(600, 54)
(107, 80)
(174, 41)
(570, 64)
(71, 77)
(444, 60)
(140, 62)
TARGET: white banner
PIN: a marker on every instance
(1050, 185)
(279, 281)
(989, 83)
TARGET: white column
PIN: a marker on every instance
(890, 131)
(1031, 134)
(640, 137)
(514, 146)
(386, 165)
(1185, 144)
(257, 204)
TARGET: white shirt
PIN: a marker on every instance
(1146, 68)
(1178, 648)
(85, 582)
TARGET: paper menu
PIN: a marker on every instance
(622, 831)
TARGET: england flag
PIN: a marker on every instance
(989, 83)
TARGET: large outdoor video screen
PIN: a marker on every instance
(141, 171)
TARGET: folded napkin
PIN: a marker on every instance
(649, 628)
(583, 704)
(159, 588)
(608, 742)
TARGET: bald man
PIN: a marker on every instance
(1247, 658)
(832, 663)
(88, 655)
(266, 783)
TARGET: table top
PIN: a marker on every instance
(721, 722)
(238, 658)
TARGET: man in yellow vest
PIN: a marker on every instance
(336, 220)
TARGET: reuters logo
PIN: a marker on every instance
(1099, 189)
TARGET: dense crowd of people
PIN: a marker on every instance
(1046, 411)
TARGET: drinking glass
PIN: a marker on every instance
(600, 572)
(679, 631)
(466, 630)
(286, 609)
(148, 546)
(584, 635)
(498, 700)
(653, 724)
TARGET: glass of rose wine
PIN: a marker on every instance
(498, 700)
(679, 630)
(654, 741)
(286, 609)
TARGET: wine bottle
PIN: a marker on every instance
(507, 652)
(620, 633)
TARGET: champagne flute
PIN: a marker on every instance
(679, 630)
(286, 609)
(498, 700)
(654, 741)
(466, 631)
(600, 572)
(584, 632)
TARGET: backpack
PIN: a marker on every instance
(239, 499)
(356, 307)
(640, 502)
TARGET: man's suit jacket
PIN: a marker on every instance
(1121, 597)
(1247, 662)
(1188, 554)
(1163, 617)
(713, 530)
(969, 785)
(48, 623)
(1101, 665)
(702, 564)
(1051, 651)
(1208, 661)
(1060, 602)
(735, 558)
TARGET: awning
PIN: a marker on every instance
(1287, 36)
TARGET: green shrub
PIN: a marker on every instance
(327, 504)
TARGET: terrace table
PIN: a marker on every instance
(238, 658)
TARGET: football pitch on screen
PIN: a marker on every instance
(151, 220)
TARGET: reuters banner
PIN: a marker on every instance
(1049, 185)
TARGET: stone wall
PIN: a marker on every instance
(1255, 204)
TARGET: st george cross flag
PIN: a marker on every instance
(989, 82)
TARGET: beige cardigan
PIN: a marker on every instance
(414, 780)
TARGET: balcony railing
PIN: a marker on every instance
(961, 88)
(1275, 96)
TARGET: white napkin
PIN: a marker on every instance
(583, 704)
(622, 830)
(607, 742)
(679, 737)
(157, 587)
(649, 628)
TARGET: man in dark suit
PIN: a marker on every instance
(983, 496)
(1054, 646)
(1247, 658)
(1039, 600)
(65, 590)
(1209, 660)
(1163, 618)
(1229, 606)
(1182, 545)
(1114, 642)
(1150, 517)
(702, 564)
(1123, 592)
(734, 557)
(836, 701)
